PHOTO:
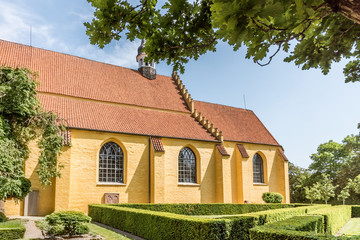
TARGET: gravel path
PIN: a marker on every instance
(32, 232)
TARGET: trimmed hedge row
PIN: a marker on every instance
(241, 224)
(159, 225)
(296, 228)
(164, 225)
(311, 223)
(334, 217)
(355, 211)
(266, 233)
(207, 208)
(12, 230)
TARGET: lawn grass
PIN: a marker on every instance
(351, 228)
(106, 233)
(12, 224)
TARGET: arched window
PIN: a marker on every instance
(258, 169)
(111, 163)
(187, 166)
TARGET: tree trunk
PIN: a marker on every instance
(349, 8)
(344, 202)
(325, 201)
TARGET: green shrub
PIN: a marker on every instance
(307, 223)
(296, 228)
(159, 225)
(2, 217)
(152, 224)
(265, 233)
(270, 197)
(299, 227)
(12, 230)
(242, 223)
(334, 217)
(355, 211)
(206, 208)
(66, 223)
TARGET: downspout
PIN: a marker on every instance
(149, 169)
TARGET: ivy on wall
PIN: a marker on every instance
(22, 120)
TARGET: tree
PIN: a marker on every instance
(312, 194)
(355, 184)
(326, 188)
(23, 120)
(314, 33)
(330, 157)
(344, 194)
(351, 168)
(299, 178)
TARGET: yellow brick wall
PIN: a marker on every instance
(84, 186)
(204, 191)
(275, 173)
(46, 197)
(220, 178)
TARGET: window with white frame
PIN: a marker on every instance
(258, 169)
(187, 166)
(111, 163)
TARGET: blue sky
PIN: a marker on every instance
(300, 108)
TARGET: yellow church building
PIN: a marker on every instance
(138, 137)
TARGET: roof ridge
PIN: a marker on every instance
(244, 109)
(194, 113)
(68, 54)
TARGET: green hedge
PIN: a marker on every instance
(299, 227)
(12, 230)
(159, 225)
(241, 224)
(355, 211)
(165, 225)
(265, 233)
(206, 208)
(334, 217)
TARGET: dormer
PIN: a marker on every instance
(146, 69)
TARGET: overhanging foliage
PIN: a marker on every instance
(23, 120)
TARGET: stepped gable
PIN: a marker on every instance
(79, 77)
(236, 124)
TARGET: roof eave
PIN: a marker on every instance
(141, 134)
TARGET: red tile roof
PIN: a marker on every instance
(157, 144)
(106, 97)
(222, 150)
(242, 151)
(101, 116)
(74, 76)
(282, 154)
(236, 124)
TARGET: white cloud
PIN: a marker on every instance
(15, 22)
(82, 16)
(122, 55)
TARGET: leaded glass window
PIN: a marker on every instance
(258, 169)
(111, 163)
(187, 166)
